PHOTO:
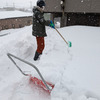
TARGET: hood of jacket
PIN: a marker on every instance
(37, 8)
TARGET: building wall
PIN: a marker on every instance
(75, 12)
(87, 6)
(88, 19)
(52, 6)
(17, 22)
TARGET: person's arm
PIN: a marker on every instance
(41, 19)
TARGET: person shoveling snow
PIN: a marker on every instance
(39, 27)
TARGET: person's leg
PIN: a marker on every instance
(40, 44)
(40, 47)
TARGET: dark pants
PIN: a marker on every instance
(40, 44)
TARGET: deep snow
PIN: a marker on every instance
(75, 71)
(17, 3)
(11, 14)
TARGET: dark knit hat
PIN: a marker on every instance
(40, 3)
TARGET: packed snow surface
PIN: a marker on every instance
(17, 3)
(75, 71)
(12, 14)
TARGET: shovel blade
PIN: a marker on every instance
(69, 44)
(40, 83)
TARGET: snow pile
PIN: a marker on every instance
(17, 3)
(75, 71)
(11, 14)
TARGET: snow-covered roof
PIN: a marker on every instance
(12, 14)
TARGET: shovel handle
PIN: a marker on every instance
(10, 57)
(61, 36)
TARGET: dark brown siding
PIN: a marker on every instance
(87, 6)
(17, 22)
(75, 12)
(88, 19)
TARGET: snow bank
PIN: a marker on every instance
(11, 14)
(75, 71)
